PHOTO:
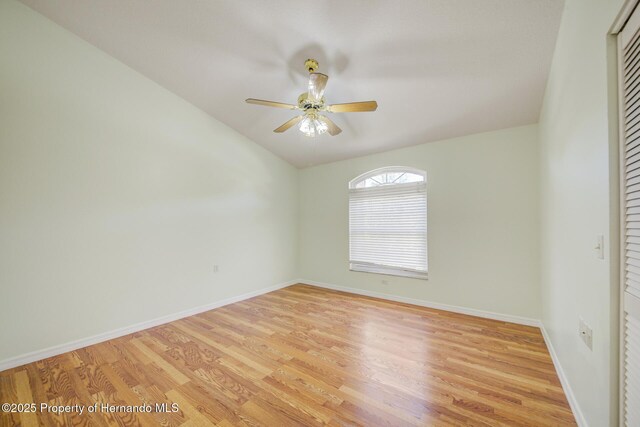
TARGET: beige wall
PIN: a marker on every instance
(118, 197)
(482, 222)
(575, 208)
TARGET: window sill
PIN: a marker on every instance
(388, 271)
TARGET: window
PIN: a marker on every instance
(388, 222)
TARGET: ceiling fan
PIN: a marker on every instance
(311, 103)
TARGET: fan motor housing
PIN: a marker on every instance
(306, 104)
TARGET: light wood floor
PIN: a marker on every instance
(305, 356)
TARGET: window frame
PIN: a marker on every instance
(387, 169)
(368, 267)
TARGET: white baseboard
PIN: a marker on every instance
(456, 309)
(74, 345)
(568, 391)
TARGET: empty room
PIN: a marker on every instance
(340, 213)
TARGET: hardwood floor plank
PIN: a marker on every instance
(23, 393)
(193, 416)
(154, 357)
(304, 356)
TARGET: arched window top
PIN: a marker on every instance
(388, 176)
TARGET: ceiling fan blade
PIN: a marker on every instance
(288, 124)
(317, 83)
(353, 107)
(332, 128)
(270, 103)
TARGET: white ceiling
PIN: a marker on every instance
(438, 68)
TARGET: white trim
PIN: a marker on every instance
(625, 28)
(105, 336)
(623, 16)
(365, 267)
(74, 345)
(386, 169)
(566, 386)
(619, 205)
(422, 303)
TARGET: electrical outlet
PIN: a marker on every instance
(215, 268)
(586, 334)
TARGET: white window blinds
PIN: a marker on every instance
(388, 223)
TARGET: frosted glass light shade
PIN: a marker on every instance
(311, 126)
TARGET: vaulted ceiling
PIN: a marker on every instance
(438, 68)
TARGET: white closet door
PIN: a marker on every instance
(629, 43)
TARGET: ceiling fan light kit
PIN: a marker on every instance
(311, 123)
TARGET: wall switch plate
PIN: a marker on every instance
(586, 334)
(215, 268)
(600, 246)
